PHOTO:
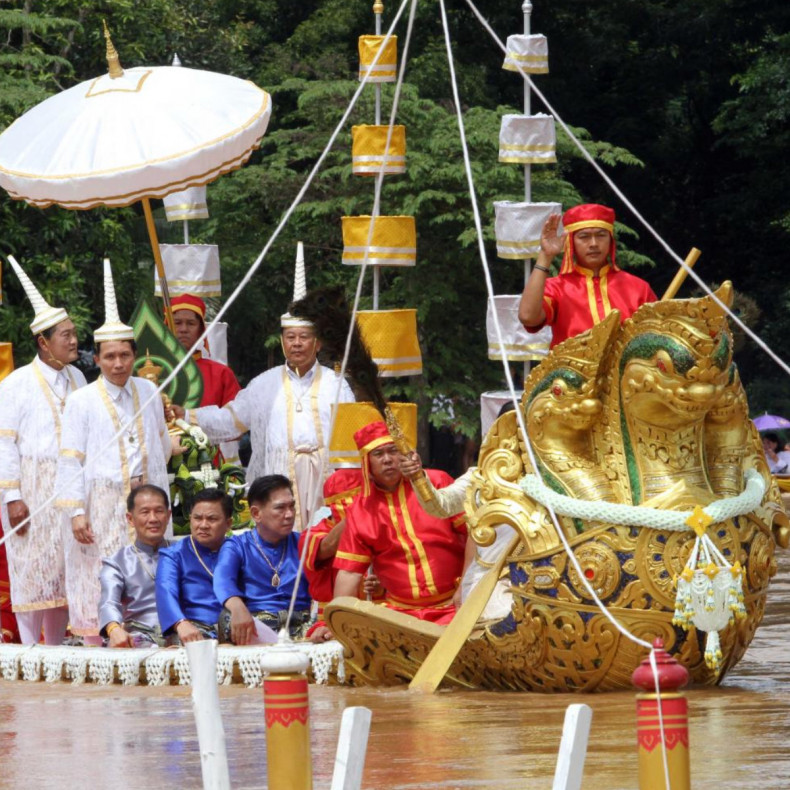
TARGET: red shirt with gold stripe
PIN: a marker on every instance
(574, 302)
(418, 558)
(340, 489)
(219, 382)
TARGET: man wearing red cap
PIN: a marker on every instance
(219, 382)
(589, 286)
(417, 557)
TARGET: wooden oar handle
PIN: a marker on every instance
(681, 275)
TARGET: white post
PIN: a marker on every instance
(352, 744)
(526, 9)
(202, 657)
(573, 748)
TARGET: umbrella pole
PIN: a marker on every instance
(681, 275)
(160, 267)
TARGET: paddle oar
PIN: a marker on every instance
(449, 644)
(681, 275)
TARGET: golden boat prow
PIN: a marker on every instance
(651, 412)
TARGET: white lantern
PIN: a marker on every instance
(518, 227)
(188, 204)
(190, 269)
(520, 345)
(531, 53)
(527, 139)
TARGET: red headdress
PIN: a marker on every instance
(373, 435)
(193, 303)
(587, 215)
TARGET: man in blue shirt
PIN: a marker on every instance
(185, 597)
(256, 572)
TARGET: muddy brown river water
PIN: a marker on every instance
(64, 736)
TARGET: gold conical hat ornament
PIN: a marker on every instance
(112, 329)
(45, 315)
(300, 291)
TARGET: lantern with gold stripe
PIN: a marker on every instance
(531, 53)
(367, 150)
(518, 227)
(520, 345)
(343, 450)
(386, 67)
(187, 204)
(6, 359)
(391, 337)
(393, 242)
(527, 139)
(190, 269)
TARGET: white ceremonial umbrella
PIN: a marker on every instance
(132, 135)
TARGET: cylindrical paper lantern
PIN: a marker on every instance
(391, 336)
(520, 345)
(343, 451)
(367, 150)
(527, 139)
(531, 53)
(187, 204)
(393, 243)
(190, 269)
(490, 404)
(518, 227)
(386, 68)
(6, 359)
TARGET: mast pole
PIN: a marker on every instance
(526, 8)
(378, 10)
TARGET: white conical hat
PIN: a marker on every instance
(300, 291)
(46, 316)
(112, 329)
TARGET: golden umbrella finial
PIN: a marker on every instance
(113, 61)
(378, 7)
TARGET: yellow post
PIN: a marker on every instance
(652, 742)
(287, 710)
(681, 275)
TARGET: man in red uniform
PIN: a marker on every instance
(418, 558)
(219, 382)
(589, 286)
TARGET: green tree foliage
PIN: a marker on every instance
(683, 102)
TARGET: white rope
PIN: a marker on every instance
(782, 364)
(239, 288)
(500, 340)
(643, 516)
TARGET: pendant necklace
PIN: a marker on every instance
(142, 562)
(275, 571)
(199, 558)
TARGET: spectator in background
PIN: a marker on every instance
(778, 460)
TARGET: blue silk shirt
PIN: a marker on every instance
(243, 571)
(183, 585)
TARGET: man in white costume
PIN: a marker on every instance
(288, 411)
(32, 400)
(112, 442)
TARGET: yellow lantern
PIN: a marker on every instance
(387, 65)
(393, 242)
(391, 336)
(367, 150)
(343, 451)
(6, 359)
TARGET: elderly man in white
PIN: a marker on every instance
(32, 400)
(288, 411)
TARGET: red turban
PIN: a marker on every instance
(189, 302)
(587, 215)
(373, 435)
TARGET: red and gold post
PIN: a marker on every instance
(287, 710)
(674, 712)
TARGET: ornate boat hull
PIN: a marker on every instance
(648, 414)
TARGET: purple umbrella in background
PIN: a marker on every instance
(771, 422)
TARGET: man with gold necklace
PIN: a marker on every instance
(185, 597)
(127, 607)
(288, 411)
(257, 570)
(114, 439)
(32, 400)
